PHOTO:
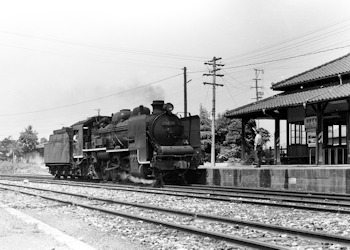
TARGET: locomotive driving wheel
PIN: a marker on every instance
(105, 173)
(113, 168)
(159, 181)
(92, 174)
(114, 174)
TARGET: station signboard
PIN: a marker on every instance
(310, 128)
(311, 139)
(310, 123)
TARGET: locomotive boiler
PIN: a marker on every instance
(131, 145)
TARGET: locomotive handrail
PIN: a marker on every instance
(138, 159)
(114, 128)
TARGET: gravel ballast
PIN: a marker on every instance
(148, 236)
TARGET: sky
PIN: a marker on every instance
(63, 61)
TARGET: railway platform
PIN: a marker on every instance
(312, 178)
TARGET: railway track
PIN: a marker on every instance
(218, 219)
(339, 203)
(101, 208)
(266, 192)
(231, 190)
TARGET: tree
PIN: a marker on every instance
(205, 128)
(205, 132)
(43, 140)
(228, 134)
(28, 139)
(228, 130)
(229, 138)
(11, 147)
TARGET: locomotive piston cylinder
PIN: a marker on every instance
(175, 150)
(104, 156)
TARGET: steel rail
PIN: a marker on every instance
(206, 196)
(288, 193)
(263, 191)
(219, 236)
(306, 194)
(305, 199)
(275, 228)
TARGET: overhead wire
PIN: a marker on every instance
(269, 59)
(233, 99)
(228, 74)
(123, 62)
(287, 58)
(265, 62)
(102, 47)
(288, 50)
(92, 100)
(310, 42)
(287, 40)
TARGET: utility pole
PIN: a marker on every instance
(98, 111)
(257, 87)
(185, 90)
(214, 84)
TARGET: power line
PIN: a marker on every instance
(233, 78)
(287, 58)
(130, 62)
(288, 40)
(311, 42)
(101, 47)
(92, 100)
(269, 63)
(228, 90)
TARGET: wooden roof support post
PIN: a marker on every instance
(244, 143)
(277, 155)
(348, 133)
(320, 107)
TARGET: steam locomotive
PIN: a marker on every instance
(137, 146)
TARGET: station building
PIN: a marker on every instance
(315, 105)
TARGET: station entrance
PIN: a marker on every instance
(335, 144)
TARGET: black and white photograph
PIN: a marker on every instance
(175, 125)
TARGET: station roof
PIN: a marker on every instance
(330, 69)
(290, 99)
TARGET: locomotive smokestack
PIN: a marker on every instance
(157, 107)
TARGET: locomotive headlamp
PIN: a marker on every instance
(168, 107)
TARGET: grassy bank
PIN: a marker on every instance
(22, 168)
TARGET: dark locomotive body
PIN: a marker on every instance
(137, 146)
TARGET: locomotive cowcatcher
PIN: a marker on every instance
(137, 146)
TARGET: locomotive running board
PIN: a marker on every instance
(94, 149)
(117, 150)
